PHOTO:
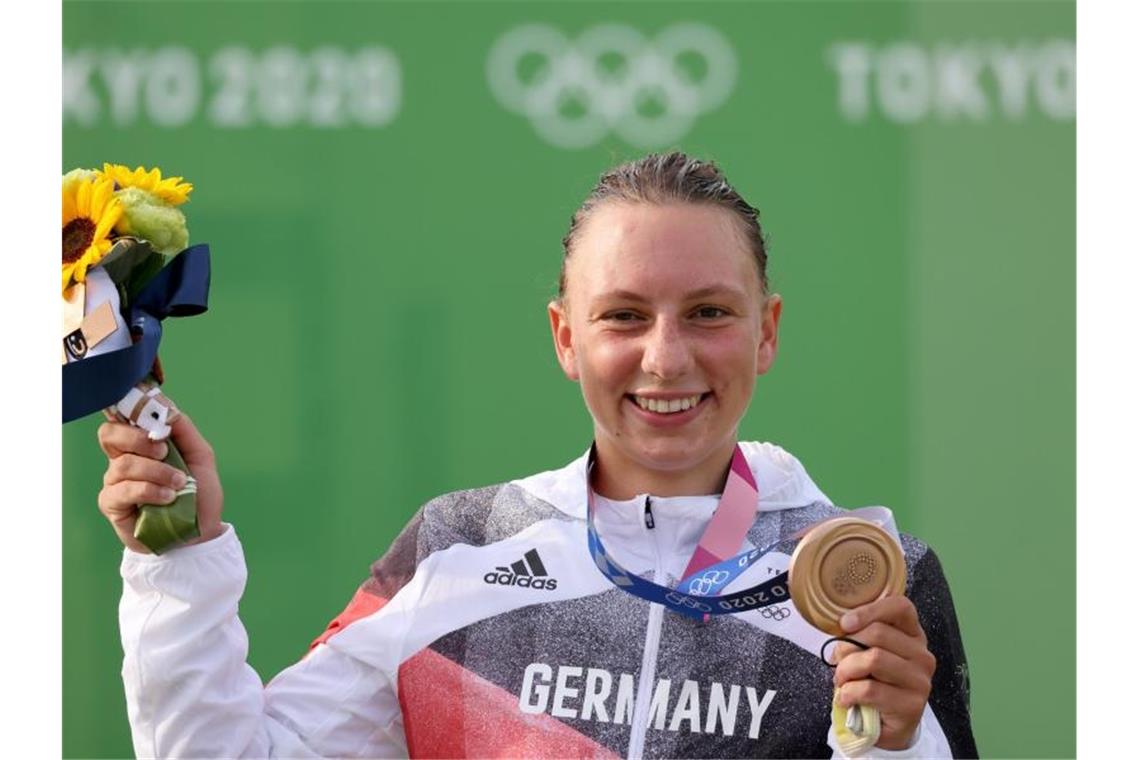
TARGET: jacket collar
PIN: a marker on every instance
(781, 479)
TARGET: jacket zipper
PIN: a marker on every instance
(647, 681)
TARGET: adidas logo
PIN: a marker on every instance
(528, 572)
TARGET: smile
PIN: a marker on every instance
(667, 406)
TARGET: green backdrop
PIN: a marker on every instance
(385, 227)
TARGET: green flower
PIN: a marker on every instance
(147, 216)
(75, 176)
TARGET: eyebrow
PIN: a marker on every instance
(629, 295)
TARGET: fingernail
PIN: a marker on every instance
(166, 495)
(163, 450)
(179, 480)
(849, 621)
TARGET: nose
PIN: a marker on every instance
(666, 354)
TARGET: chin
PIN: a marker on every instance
(677, 457)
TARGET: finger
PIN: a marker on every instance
(897, 611)
(117, 438)
(195, 449)
(123, 498)
(885, 667)
(886, 636)
(134, 467)
(839, 650)
(887, 698)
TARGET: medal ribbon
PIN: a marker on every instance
(714, 563)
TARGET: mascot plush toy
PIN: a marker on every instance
(126, 267)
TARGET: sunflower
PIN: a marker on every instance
(172, 189)
(90, 210)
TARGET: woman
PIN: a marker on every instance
(487, 628)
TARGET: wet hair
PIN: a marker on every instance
(664, 178)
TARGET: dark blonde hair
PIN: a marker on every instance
(662, 178)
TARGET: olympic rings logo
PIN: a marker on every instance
(704, 585)
(687, 601)
(612, 78)
(775, 613)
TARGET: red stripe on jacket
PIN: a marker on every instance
(361, 605)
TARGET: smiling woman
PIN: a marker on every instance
(498, 624)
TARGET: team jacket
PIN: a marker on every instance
(486, 630)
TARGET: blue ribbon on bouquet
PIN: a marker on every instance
(179, 289)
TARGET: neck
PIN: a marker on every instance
(619, 479)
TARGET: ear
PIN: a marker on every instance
(563, 345)
(769, 327)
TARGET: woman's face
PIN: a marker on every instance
(664, 325)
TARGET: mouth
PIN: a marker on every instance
(668, 406)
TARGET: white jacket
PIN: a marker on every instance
(487, 630)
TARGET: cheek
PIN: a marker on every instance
(730, 357)
(609, 361)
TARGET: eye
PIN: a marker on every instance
(709, 312)
(621, 315)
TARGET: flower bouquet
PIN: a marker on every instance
(126, 267)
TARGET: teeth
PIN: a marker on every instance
(663, 406)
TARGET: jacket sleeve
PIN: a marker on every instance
(945, 727)
(190, 692)
(950, 689)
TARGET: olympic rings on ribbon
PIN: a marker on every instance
(708, 583)
(775, 613)
(688, 601)
(611, 72)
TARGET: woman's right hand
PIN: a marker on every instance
(137, 475)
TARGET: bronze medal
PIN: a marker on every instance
(841, 564)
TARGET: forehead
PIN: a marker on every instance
(661, 249)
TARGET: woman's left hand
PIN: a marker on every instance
(894, 674)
